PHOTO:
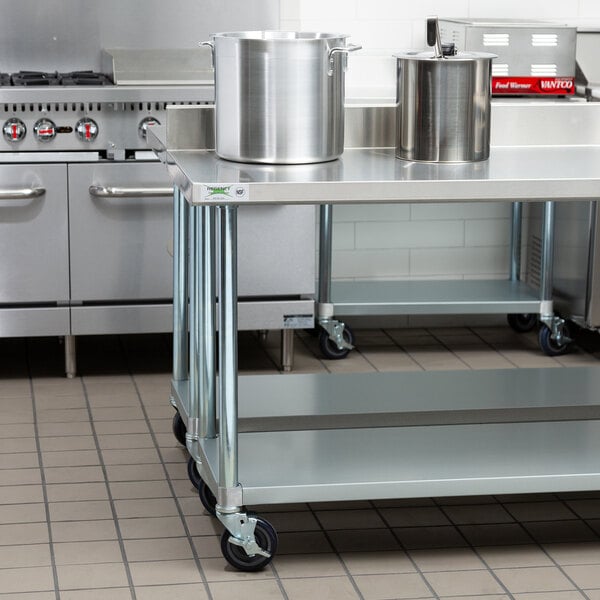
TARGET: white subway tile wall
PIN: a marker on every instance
(468, 240)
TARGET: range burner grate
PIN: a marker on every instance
(40, 78)
(34, 78)
(84, 78)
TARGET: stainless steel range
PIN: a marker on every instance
(86, 210)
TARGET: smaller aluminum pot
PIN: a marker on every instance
(443, 110)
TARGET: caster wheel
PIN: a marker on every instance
(548, 345)
(193, 474)
(329, 347)
(207, 498)
(522, 323)
(236, 556)
(179, 429)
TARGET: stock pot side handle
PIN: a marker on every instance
(345, 50)
(212, 50)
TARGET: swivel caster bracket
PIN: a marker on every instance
(241, 527)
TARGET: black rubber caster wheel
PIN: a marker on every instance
(207, 498)
(549, 346)
(193, 474)
(330, 349)
(236, 556)
(522, 323)
(179, 428)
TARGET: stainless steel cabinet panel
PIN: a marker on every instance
(34, 259)
(119, 246)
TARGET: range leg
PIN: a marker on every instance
(287, 350)
(70, 356)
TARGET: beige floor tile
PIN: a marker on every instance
(386, 358)
(446, 559)
(502, 534)
(430, 537)
(384, 587)
(303, 542)
(486, 597)
(477, 514)
(33, 596)
(75, 577)
(414, 516)
(174, 455)
(324, 588)
(11, 445)
(573, 595)
(73, 474)
(65, 492)
(156, 507)
(192, 591)
(117, 413)
(17, 431)
(101, 594)
(83, 553)
(193, 507)
(308, 565)
(29, 555)
(539, 511)
(23, 533)
(88, 510)
(130, 400)
(132, 456)
(67, 444)
(209, 546)
(67, 415)
(534, 579)
(504, 557)
(560, 531)
(21, 494)
(363, 540)
(19, 476)
(27, 579)
(454, 583)
(584, 576)
(135, 473)
(183, 488)
(525, 359)
(582, 553)
(25, 460)
(64, 429)
(593, 594)
(218, 569)
(158, 549)
(476, 358)
(22, 513)
(125, 490)
(350, 519)
(203, 525)
(377, 563)
(70, 458)
(161, 425)
(292, 521)
(435, 358)
(120, 427)
(157, 527)
(160, 411)
(249, 590)
(61, 402)
(164, 572)
(119, 442)
(586, 509)
(82, 531)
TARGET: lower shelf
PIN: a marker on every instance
(359, 464)
(433, 297)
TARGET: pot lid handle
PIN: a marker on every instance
(433, 36)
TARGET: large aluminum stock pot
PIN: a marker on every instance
(279, 96)
(443, 112)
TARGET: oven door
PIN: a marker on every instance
(120, 227)
(34, 265)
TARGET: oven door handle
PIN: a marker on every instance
(22, 193)
(109, 191)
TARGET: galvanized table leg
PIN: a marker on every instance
(515, 241)
(180, 287)
(229, 497)
(325, 253)
(195, 358)
(207, 323)
(547, 265)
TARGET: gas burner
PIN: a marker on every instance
(4, 79)
(84, 78)
(34, 78)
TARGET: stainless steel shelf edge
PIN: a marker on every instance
(363, 464)
(433, 297)
(34, 321)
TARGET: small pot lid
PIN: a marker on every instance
(430, 55)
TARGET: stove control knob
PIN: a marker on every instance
(14, 130)
(145, 123)
(86, 130)
(44, 130)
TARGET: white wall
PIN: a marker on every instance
(415, 241)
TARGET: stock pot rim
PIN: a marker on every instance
(279, 36)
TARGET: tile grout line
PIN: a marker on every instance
(109, 493)
(559, 566)
(186, 529)
(42, 476)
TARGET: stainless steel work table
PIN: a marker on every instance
(298, 438)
